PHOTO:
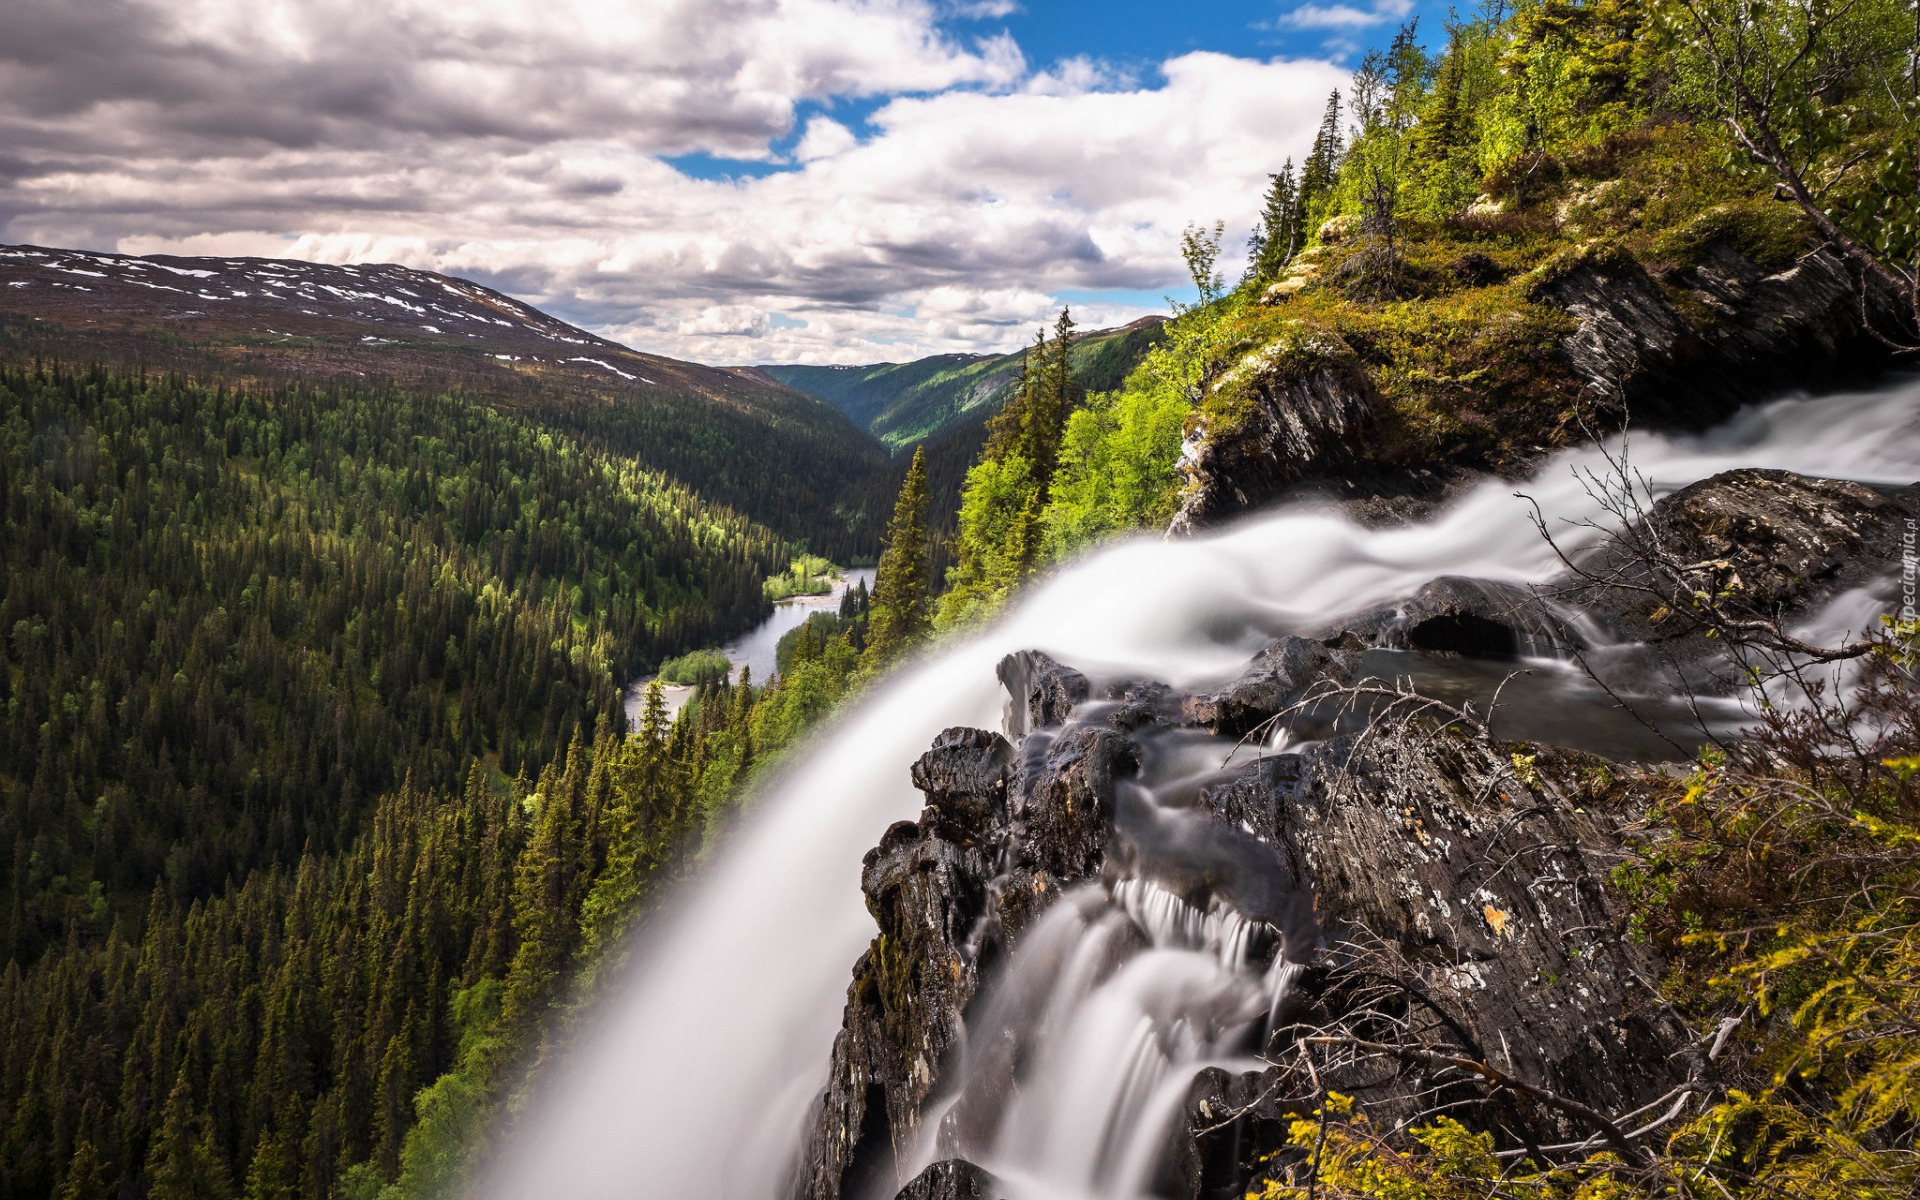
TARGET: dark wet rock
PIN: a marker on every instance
(1466, 876)
(1746, 333)
(904, 1007)
(1195, 856)
(1780, 544)
(1431, 852)
(964, 777)
(1040, 692)
(1278, 676)
(1234, 1127)
(952, 1179)
(1480, 618)
(1065, 812)
(1294, 429)
(1143, 702)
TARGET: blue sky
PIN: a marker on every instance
(1130, 38)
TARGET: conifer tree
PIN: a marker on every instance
(1007, 429)
(182, 1162)
(86, 1175)
(1322, 167)
(1278, 236)
(1046, 415)
(900, 616)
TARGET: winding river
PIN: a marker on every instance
(756, 648)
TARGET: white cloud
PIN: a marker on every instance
(521, 144)
(1346, 16)
(824, 138)
(982, 10)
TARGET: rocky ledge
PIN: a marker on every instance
(1677, 347)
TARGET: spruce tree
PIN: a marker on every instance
(1047, 416)
(1321, 168)
(183, 1163)
(1278, 235)
(1007, 429)
(900, 616)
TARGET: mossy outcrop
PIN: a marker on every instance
(1662, 291)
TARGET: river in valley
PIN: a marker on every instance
(695, 1078)
(755, 649)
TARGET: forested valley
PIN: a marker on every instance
(314, 761)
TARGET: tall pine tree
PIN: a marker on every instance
(1321, 169)
(901, 614)
(1278, 236)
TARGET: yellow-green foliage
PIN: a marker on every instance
(1771, 234)
(1117, 466)
(696, 667)
(997, 530)
(809, 575)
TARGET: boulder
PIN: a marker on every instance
(1278, 676)
(1479, 618)
(1064, 812)
(952, 1179)
(1777, 544)
(964, 777)
(1040, 692)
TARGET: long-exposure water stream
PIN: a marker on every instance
(694, 1079)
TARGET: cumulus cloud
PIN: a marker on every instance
(527, 145)
(1346, 16)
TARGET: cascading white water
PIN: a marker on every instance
(693, 1082)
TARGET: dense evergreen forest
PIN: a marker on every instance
(781, 458)
(237, 624)
(315, 791)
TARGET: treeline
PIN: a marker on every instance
(786, 460)
(232, 619)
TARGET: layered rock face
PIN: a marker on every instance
(1750, 333)
(1411, 857)
(1681, 351)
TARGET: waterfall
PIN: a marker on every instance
(693, 1079)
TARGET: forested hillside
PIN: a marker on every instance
(775, 454)
(231, 618)
(905, 404)
(311, 783)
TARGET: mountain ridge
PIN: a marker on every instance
(919, 401)
(777, 454)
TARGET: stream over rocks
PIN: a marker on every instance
(1103, 882)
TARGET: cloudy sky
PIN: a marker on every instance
(730, 181)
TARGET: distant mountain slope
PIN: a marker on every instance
(904, 404)
(775, 453)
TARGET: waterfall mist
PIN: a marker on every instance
(694, 1077)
